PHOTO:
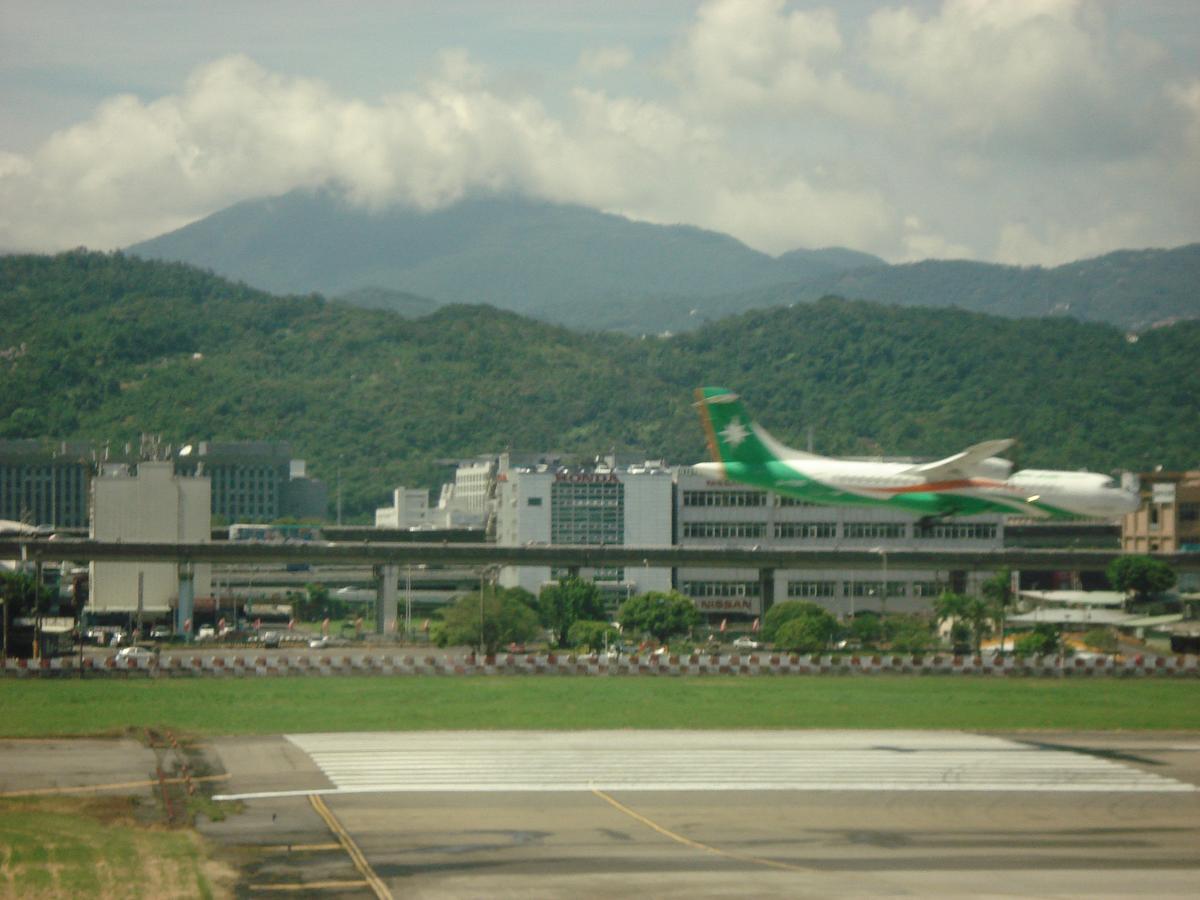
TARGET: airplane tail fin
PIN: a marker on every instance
(732, 435)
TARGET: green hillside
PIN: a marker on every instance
(587, 269)
(105, 347)
(561, 263)
(1134, 289)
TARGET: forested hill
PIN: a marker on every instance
(586, 269)
(1136, 289)
(557, 262)
(105, 347)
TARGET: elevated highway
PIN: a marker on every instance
(583, 556)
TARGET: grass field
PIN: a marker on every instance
(67, 847)
(45, 708)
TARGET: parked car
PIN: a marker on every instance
(135, 651)
(746, 643)
(160, 632)
(319, 643)
(206, 632)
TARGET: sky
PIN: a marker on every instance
(1030, 132)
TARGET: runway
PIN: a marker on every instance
(716, 814)
(706, 761)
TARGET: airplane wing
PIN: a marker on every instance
(964, 464)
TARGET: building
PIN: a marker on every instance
(254, 481)
(1169, 518)
(147, 503)
(722, 513)
(464, 502)
(598, 504)
(409, 509)
(44, 483)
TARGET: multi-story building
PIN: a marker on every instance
(600, 504)
(153, 504)
(43, 483)
(1169, 518)
(254, 481)
(409, 509)
(722, 513)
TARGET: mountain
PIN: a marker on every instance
(559, 263)
(105, 347)
(1135, 289)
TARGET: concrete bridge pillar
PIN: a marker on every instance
(185, 606)
(386, 595)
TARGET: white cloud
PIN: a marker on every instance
(1018, 130)
(602, 60)
(750, 57)
(239, 131)
(1054, 243)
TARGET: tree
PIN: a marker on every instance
(659, 614)
(998, 591)
(1141, 575)
(563, 604)
(866, 629)
(591, 634)
(963, 609)
(808, 633)
(1044, 640)
(504, 614)
(908, 634)
(780, 613)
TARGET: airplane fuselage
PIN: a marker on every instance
(1031, 492)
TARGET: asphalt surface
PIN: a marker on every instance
(370, 815)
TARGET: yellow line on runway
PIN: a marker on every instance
(360, 861)
(697, 845)
(119, 786)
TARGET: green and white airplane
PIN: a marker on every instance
(973, 481)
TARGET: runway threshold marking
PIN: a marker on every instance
(697, 845)
(360, 861)
(117, 786)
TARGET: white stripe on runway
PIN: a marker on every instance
(708, 761)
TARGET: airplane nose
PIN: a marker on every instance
(710, 470)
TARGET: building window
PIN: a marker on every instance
(587, 512)
(534, 501)
(805, 530)
(811, 589)
(956, 531)
(724, 498)
(724, 529)
(874, 529)
(781, 500)
(722, 588)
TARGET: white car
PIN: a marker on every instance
(206, 632)
(136, 652)
(746, 643)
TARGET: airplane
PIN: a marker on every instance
(967, 483)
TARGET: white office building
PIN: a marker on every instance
(153, 505)
(409, 509)
(604, 504)
(712, 513)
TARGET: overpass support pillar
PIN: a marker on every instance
(185, 607)
(386, 598)
(766, 588)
